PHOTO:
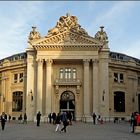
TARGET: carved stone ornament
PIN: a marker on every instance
(101, 35)
(67, 22)
(34, 34)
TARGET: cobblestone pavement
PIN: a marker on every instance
(77, 131)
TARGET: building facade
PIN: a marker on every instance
(68, 70)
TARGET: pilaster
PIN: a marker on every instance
(39, 85)
(95, 86)
(30, 85)
(104, 82)
(48, 86)
(86, 88)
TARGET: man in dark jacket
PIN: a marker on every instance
(38, 117)
(3, 120)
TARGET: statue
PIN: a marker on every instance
(34, 34)
(101, 35)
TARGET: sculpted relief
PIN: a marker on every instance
(67, 22)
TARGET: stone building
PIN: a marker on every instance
(68, 70)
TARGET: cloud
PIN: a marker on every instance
(14, 28)
(112, 14)
(115, 18)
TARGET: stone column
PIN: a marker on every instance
(39, 85)
(48, 86)
(86, 88)
(30, 85)
(95, 86)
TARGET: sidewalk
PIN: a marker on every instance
(77, 131)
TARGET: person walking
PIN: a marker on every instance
(65, 121)
(69, 117)
(9, 118)
(132, 122)
(50, 117)
(3, 120)
(38, 117)
(94, 118)
(25, 118)
(20, 118)
(57, 122)
(54, 117)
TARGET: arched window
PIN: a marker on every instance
(67, 95)
(17, 101)
(119, 101)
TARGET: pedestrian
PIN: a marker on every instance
(132, 122)
(135, 114)
(69, 117)
(25, 118)
(3, 120)
(20, 118)
(9, 118)
(38, 117)
(65, 121)
(94, 118)
(57, 122)
(50, 117)
(6, 117)
(54, 117)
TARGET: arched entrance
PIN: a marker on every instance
(67, 102)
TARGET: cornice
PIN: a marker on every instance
(76, 47)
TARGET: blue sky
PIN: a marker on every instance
(120, 18)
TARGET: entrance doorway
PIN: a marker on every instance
(67, 103)
(119, 101)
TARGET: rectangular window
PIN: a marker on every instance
(69, 73)
(118, 77)
(66, 73)
(115, 77)
(74, 73)
(61, 73)
(121, 78)
(15, 78)
(21, 77)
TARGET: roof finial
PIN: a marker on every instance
(68, 14)
(33, 27)
(102, 27)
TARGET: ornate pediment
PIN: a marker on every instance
(68, 38)
(66, 32)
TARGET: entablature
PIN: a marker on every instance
(60, 82)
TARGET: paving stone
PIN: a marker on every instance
(77, 131)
